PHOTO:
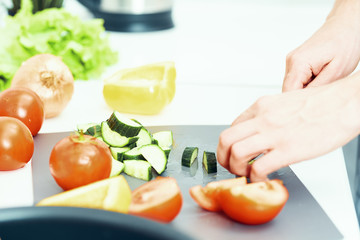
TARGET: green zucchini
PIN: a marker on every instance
(122, 125)
(113, 138)
(133, 154)
(145, 138)
(92, 129)
(155, 156)
(138, 168)
(118, 152)
(163, 138)
(189, 155)
(209, 162)
(116, 168)
(167, 151)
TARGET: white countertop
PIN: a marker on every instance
(227, 54)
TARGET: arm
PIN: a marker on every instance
(333, 52)
(291, 127)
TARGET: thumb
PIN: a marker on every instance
(327, 75)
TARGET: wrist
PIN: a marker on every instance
(348, 9)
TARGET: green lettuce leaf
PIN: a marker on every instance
(83, 45)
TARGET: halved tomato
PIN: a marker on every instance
(207, 196)
(254, 203)
(159, 200)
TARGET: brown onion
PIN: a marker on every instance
(50, 78)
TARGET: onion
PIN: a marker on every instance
(50, 78)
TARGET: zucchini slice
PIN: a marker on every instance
(145, 138)
(138, 168)
(189, 155)
(155, 156)
(167, 151)
(163, 138)
(210, 162)
(116, 168)
(124, 126)
(92, 129)
(118, 152)
(133, 154)
(113, 138)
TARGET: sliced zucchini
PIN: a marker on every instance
(209, 162)
(138, 168)
(124, 126)
(164, 138)
(116, 168)
(118, 152)
(145, 138)
(155, 156)
(113, 138)
(167, 151)
(189, 155)
(133, 154)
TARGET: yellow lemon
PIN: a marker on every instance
(142, 90)
(111, 194)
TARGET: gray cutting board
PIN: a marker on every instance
(301, 218)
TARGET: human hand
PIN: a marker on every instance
(333, 52)
(291, 127)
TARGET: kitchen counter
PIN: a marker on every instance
(227, 53)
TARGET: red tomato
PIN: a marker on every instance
(16, 144)
(23, 104)
(207, 197)
(254, 203)
(204, 201)
(78, 160)
(159, 200)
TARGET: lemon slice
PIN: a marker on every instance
(111, 194)
(142, 90)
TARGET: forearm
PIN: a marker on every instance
(346, 8)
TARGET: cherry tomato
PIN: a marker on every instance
(16, 144)
(78, 160)
(254, 203)
(23, 104)
(159, 200)
(207, 197)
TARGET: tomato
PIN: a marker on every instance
(254, 203)
(159, 200)
(16, 144)
(207, 197)
(78, 160)
(204, 201)
(25, 105)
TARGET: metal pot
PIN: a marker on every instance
(132, 15)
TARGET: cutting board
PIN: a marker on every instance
(301, 218)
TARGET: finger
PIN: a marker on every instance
(230, 136)
(327, 75)
(296, 76)
(242, 152)
(268, 163)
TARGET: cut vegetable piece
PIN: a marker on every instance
(167, 151)
(138, 168)
(113, 138)
(116, 168)
(155, 156)
(118, 152)
(189, 155)
(124, 126)
(209, 162)
(144, 138)
(133, 154)
(208, 203)
(164, 138)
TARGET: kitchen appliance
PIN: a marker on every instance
(132, 15)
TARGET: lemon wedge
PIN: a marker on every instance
(111, 194)
(142, 90)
